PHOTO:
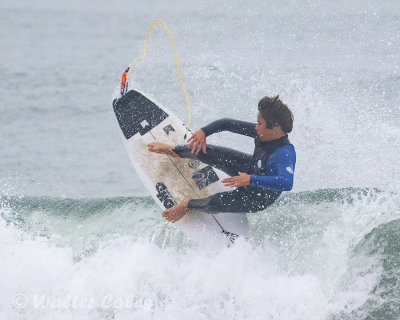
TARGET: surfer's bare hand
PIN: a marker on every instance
(159, 147)
(177, 212)
(243, 179)
(197, 141)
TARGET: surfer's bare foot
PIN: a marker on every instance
(177, 212)
(159, 147)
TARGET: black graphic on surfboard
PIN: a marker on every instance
(137, 114)
(193, 163)
(168, 128)
(164, 196)
(205, 177)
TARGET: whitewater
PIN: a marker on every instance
(82, 239)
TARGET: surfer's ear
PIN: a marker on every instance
(270, 124)
(276, 113)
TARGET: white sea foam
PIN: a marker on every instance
(299, 263)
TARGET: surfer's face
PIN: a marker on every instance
(263, 132)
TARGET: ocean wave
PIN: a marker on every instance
(328, 253)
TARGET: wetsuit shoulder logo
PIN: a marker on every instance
(205, 177)
(164, 196)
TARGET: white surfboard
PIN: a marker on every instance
(168, 179)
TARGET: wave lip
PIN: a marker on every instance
(337, 246)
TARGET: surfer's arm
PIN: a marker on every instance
(232, 125)
(285, 160)
(197, 141)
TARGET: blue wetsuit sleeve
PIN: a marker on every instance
(284, 161)
(232, 125)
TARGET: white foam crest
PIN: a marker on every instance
(233, 282)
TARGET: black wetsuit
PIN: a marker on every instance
(271, 167)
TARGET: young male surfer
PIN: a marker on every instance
(259, 178)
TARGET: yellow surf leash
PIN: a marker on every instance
(124, 86)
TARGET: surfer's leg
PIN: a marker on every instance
(243, 199)
(226, 159)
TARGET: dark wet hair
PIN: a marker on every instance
(275, 113)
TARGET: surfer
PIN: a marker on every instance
(259, 179)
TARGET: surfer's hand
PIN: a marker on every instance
(197, 141)
(243, 179)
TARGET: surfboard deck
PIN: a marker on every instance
(168, 179)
